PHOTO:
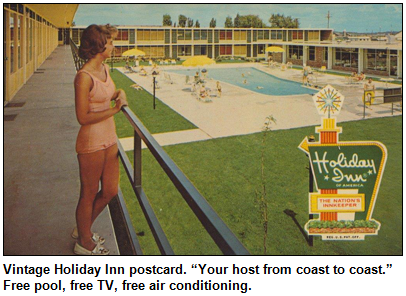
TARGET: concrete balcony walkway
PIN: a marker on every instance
(41, 175)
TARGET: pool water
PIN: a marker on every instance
(252, 79)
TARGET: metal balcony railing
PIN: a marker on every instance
(126, 236)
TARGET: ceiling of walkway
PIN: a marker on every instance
(60, 15)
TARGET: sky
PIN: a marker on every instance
(365, 18)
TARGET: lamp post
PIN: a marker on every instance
(154, 75)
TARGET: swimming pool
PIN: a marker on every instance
(253, 79)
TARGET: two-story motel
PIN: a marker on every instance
(30, 37)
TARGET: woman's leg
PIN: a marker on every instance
(109, 181)
(91, 168)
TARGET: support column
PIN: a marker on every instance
(305, 54)
(284, 54)
(330, 58)
(399, 64)
(360, 60)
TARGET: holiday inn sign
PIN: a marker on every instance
(347, 177)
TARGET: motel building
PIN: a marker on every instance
(33, 31)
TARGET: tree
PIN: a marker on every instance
(237, 21)
(189, 23)
(212, 23)
(281, 21)
(166, 21)
(197, 24)
(182, 20)
(248, 21)
(229, 22)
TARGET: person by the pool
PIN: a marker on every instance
(203, 91)
(218, 86)
(197, 77)
(305, 75)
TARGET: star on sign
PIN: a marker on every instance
(370, 172)
(326, 177)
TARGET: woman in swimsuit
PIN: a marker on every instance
(96, 143)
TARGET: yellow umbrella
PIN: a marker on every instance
(198, 61)
(133, 52)
(274, 49)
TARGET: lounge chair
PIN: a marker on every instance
(136, 86)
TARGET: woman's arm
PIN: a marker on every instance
(83, 85)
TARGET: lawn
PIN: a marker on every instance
(162, 119)
(227, 172)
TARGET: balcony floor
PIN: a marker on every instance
(41, 175)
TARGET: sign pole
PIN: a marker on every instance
(311, 182)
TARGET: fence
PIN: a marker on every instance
(390, 96)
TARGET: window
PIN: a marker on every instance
(261, 49)
(122, 34)
(346, 57)
(377, 59)
(185, 50)
(226, 35)
(240, 50)
(143, 35)
(200, 35)
(11, 42)
(393, 60)
(311, 53)
(240, 35)
(200, 50)
(295, 52)
(181, 34)
(297, 35)
(314, 35)
(19, 41)
(226, 50)
(153, 51)
(276, 34)
(188, 34)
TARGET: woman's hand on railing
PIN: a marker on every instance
(121, 100)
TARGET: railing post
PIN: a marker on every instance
(137, 160)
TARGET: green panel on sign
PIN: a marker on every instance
(353, 166)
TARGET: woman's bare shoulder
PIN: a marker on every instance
(83, 79)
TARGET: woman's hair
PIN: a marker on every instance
(110, 31)
(92, 42)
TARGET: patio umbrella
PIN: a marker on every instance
(274, 49)
(133, 52)
(198, 61)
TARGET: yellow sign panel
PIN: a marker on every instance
(340, 203)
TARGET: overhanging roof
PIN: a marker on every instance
(60, 15)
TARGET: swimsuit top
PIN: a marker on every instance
(101, 93)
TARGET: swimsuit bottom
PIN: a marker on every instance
(95, 137)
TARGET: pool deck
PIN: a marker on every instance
(240, 111)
